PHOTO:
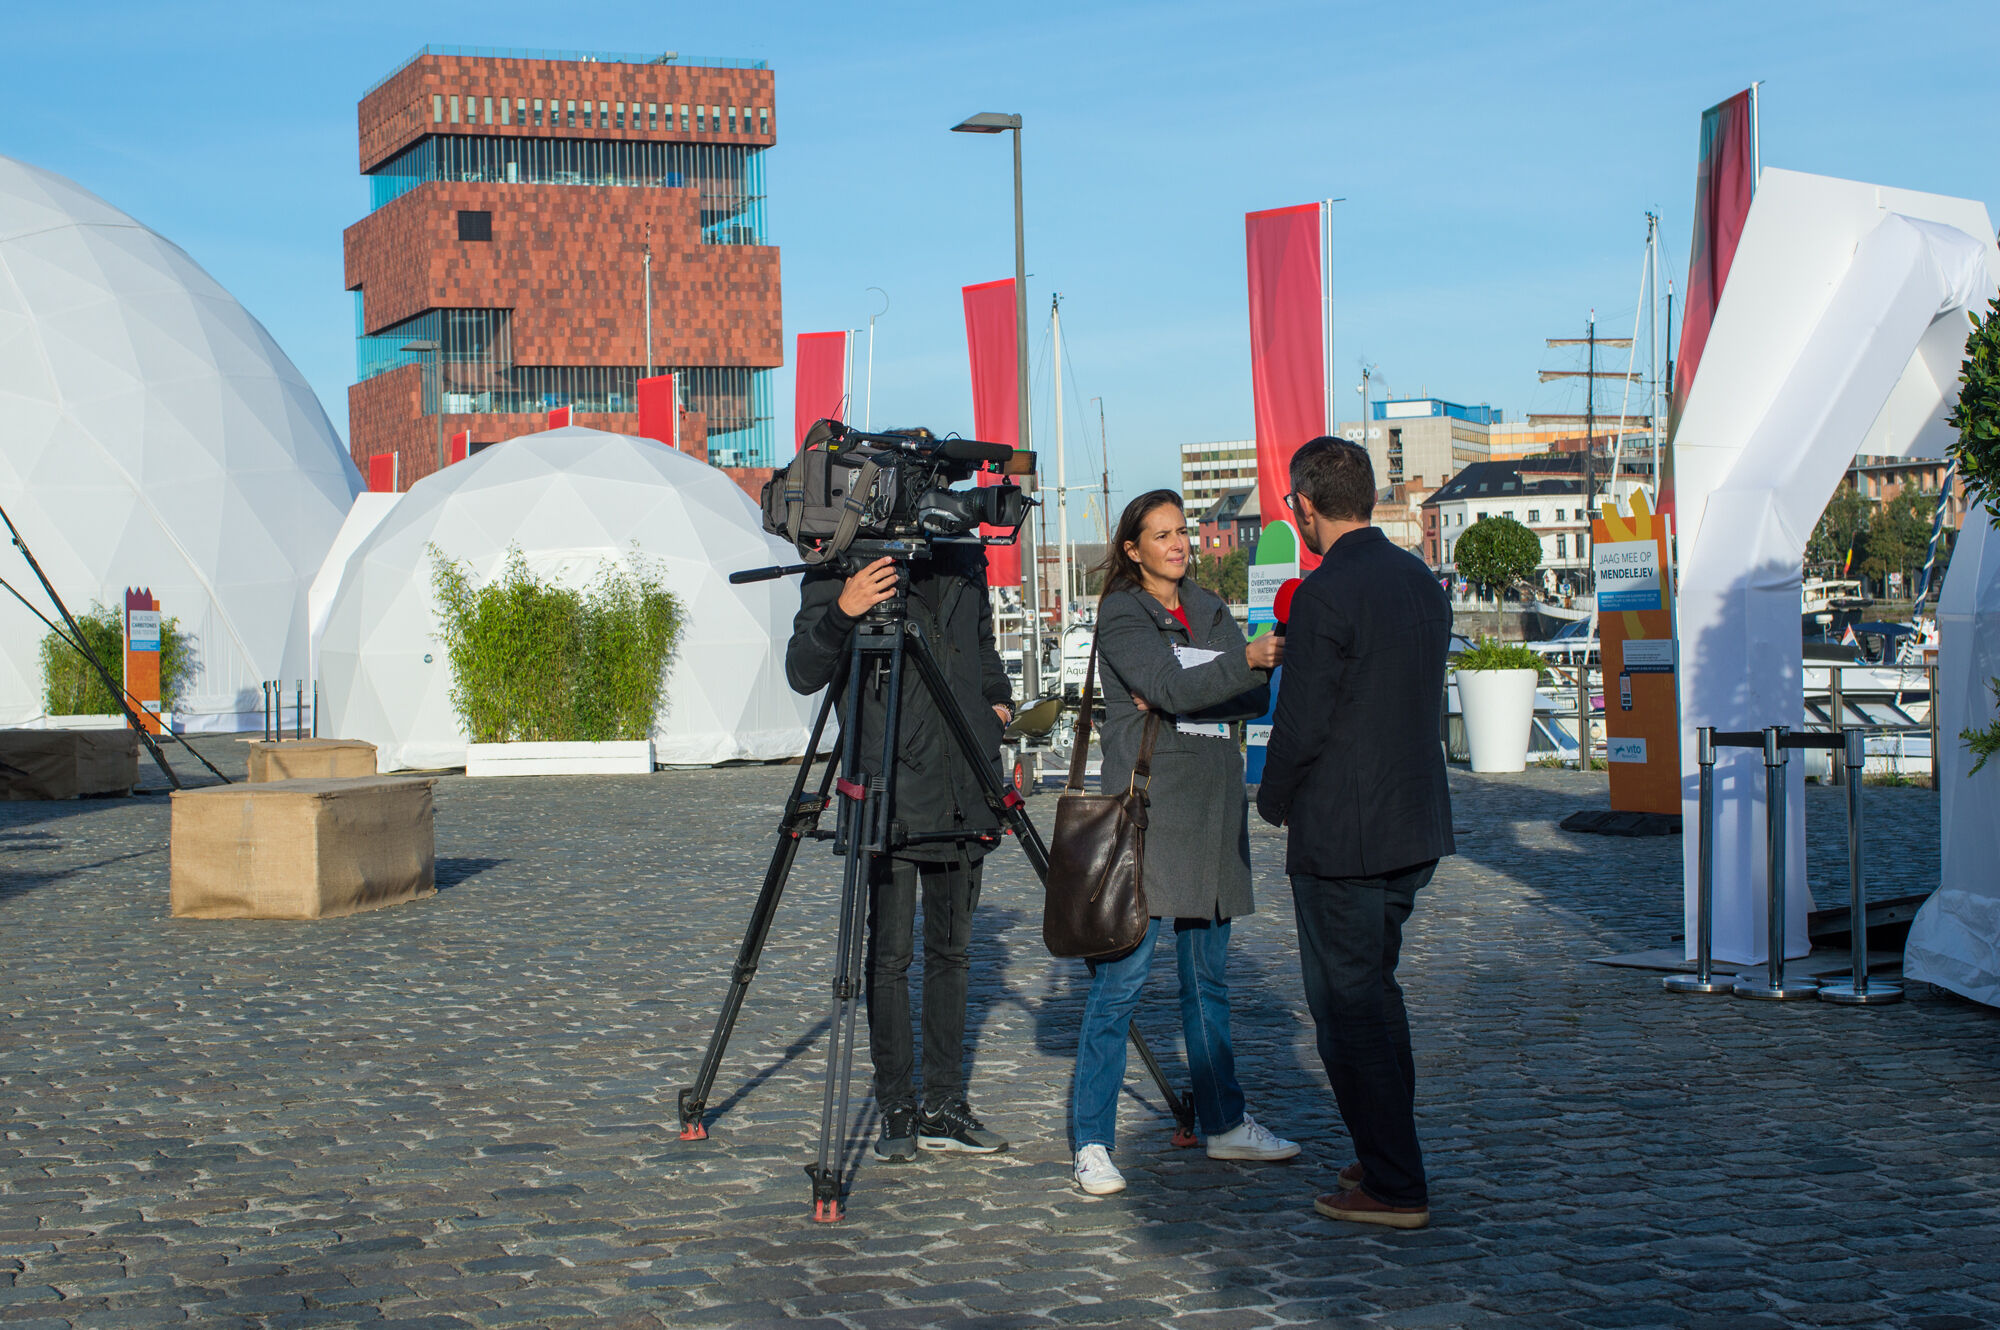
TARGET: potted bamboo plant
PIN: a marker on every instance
(1496, 695)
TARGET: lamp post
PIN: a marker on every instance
(993, 122)
(868, 404)
(436, 352)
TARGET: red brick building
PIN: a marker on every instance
(502, 270)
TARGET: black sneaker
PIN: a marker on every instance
(953, 1127)
(899, 1134)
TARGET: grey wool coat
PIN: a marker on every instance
(1197, 836)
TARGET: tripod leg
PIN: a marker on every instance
(865, 821)
(800, 819)
(1012, 810)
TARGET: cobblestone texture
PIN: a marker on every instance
(460, 1112)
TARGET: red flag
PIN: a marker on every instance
(1287, 347)
(819, 382)
(659, 410)
(1725, 180)
(382, 473)
(990, 335)
(562, 417)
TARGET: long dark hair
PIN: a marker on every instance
(1119, 568)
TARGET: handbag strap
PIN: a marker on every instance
(1080, 747)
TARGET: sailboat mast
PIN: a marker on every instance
(1590, 452)
(1062, 479)
(1653, 408)
(1104, 475)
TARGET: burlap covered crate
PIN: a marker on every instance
(302, 849)
(63, 764)
(310, 759)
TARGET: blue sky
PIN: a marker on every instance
(1498, 161)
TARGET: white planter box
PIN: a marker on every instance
(1499, 709)
(77, 723)
(632, 757)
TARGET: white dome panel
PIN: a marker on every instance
(152, 434)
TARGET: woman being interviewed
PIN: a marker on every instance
(1168, 646)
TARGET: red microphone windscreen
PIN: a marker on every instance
(1281, 608)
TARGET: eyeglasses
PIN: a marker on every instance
(1292, 500)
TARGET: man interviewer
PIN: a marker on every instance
(935, 792)
(1354, 769)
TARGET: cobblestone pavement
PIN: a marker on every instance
(461, 1111)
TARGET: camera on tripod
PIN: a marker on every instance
(892, 489)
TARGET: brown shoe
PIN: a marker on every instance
(1361, 1208)
(1350, 1177)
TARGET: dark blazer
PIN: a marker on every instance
(935, 790)
(1354, 765)
(1198, 831)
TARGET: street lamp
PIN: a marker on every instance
(994, 122)
(436, 352)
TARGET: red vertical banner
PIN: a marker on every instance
(991, 340)
(562, 417)
(658, 409)
(1287, 346)
(819, 376)
(461, 446)
(1725, 180)
(382, 473)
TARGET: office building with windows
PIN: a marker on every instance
(1211, 470)
(502, 271)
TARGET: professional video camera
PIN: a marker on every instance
(847, 485)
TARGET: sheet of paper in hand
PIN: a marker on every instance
(1189, 657)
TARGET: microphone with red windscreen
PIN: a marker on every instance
(1281, 606)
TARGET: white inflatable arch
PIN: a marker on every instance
(1840, 332)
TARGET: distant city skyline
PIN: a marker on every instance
(1497, 166)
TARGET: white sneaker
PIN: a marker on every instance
(1249, 1139)
(1095, 1172)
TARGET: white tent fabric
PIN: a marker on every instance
(1832, 335)
(1955, 939)
(153, 435)
(570, 499)
(367, 513)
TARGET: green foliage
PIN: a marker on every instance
(1842, 526)
(1490, 653)
(1984, 742)
(1899, 536)
(533, 661)
(1497, 554)
(70, 687)
(1977, 415)
(1228, 576)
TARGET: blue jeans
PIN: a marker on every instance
(1201, 947)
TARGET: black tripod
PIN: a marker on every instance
(885, 639)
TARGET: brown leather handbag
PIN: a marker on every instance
(1095, 905)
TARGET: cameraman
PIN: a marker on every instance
(934, 791)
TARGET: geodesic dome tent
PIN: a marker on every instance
(153, 435)
(570, 499)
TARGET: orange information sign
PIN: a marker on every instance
(1635, 633)
(142, 656)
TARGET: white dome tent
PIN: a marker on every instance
(570, 499)
(153, 435)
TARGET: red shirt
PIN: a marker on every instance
(1181, 614)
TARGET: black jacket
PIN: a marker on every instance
(934, 789)
(1354, 766)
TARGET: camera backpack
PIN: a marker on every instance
(827, 494)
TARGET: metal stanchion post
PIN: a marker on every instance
(315, 733)
(1858, 991)
(1930, 678)
(1701, 981)
(1777, 793)
(267, 709)
(1838, 712)
(298, 708)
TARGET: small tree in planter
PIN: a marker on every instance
(1977, 453)
(1498, 554)
(1496, 696)
(70, 687)
(537, 662)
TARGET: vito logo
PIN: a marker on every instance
(1628, 575)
